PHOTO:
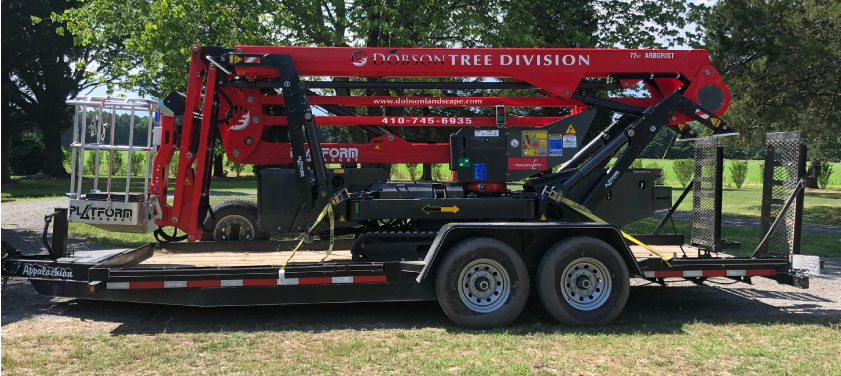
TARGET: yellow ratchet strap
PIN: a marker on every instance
(581, 209)
(327, 211)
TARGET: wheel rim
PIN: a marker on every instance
(586, 284)
(235, 227)
(484, 285)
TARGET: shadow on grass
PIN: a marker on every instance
(651, 309)
(827, 215)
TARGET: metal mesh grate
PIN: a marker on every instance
(704, 217)
(779, 179)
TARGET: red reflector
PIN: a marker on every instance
(315, 281)
(761, 272)
(259, 282)
(146, 285)
(208, 283)
(368, 279)
(715, 273)
(666, 274)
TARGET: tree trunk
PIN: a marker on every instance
(53, 155)
(812, 173)
(4, 149)
(427, 172)
(218, 166)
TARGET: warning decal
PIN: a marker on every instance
(570, 130)
(570, 140)
(535, 144)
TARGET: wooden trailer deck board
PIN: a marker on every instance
(163, 258)
(669, 251)
(166, 258)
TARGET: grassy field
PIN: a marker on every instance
(810, 244)
(696, 348)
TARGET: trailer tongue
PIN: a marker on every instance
(474, 244)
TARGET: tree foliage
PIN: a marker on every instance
(781, 60)
(157, 34)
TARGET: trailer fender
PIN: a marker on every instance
(530, 239)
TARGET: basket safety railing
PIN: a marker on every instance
(95, 123)
(103, 119)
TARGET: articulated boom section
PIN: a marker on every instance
(251, 96)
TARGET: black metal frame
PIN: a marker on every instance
(769, 221)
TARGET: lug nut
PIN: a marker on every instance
(249, 98)
(235, 153)
(249, 141)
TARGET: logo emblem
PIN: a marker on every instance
(242, 122)
(527, 164)
(359, 58)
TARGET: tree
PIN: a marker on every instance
(782, 62)
(41, 68)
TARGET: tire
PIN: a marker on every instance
(474, 266)
(230, 213)
(569, 286)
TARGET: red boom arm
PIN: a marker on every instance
(557, 75)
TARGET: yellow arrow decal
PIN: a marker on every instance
(440, 209)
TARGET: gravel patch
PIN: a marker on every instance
(23, 225)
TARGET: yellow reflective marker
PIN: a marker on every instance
(339, 171)
(715, 121)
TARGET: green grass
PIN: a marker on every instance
(694, 348)
(819, 206)
(810, 244)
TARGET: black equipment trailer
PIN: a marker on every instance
(476, 246)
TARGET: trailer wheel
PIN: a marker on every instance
(482, 283)
(236, 220)
(583, 281)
